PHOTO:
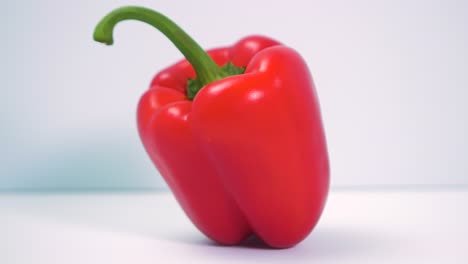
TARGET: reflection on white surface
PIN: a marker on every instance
(357, 227)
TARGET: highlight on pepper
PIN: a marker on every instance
(239, 164)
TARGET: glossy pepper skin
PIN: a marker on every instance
(248, 155)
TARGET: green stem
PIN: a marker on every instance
(206, 69)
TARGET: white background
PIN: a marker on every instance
(391, 77)
(356, 227)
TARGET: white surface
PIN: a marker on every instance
(357, 227)
(391, 76)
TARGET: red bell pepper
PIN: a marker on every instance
(236, 133)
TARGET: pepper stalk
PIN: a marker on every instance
(206, 69)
